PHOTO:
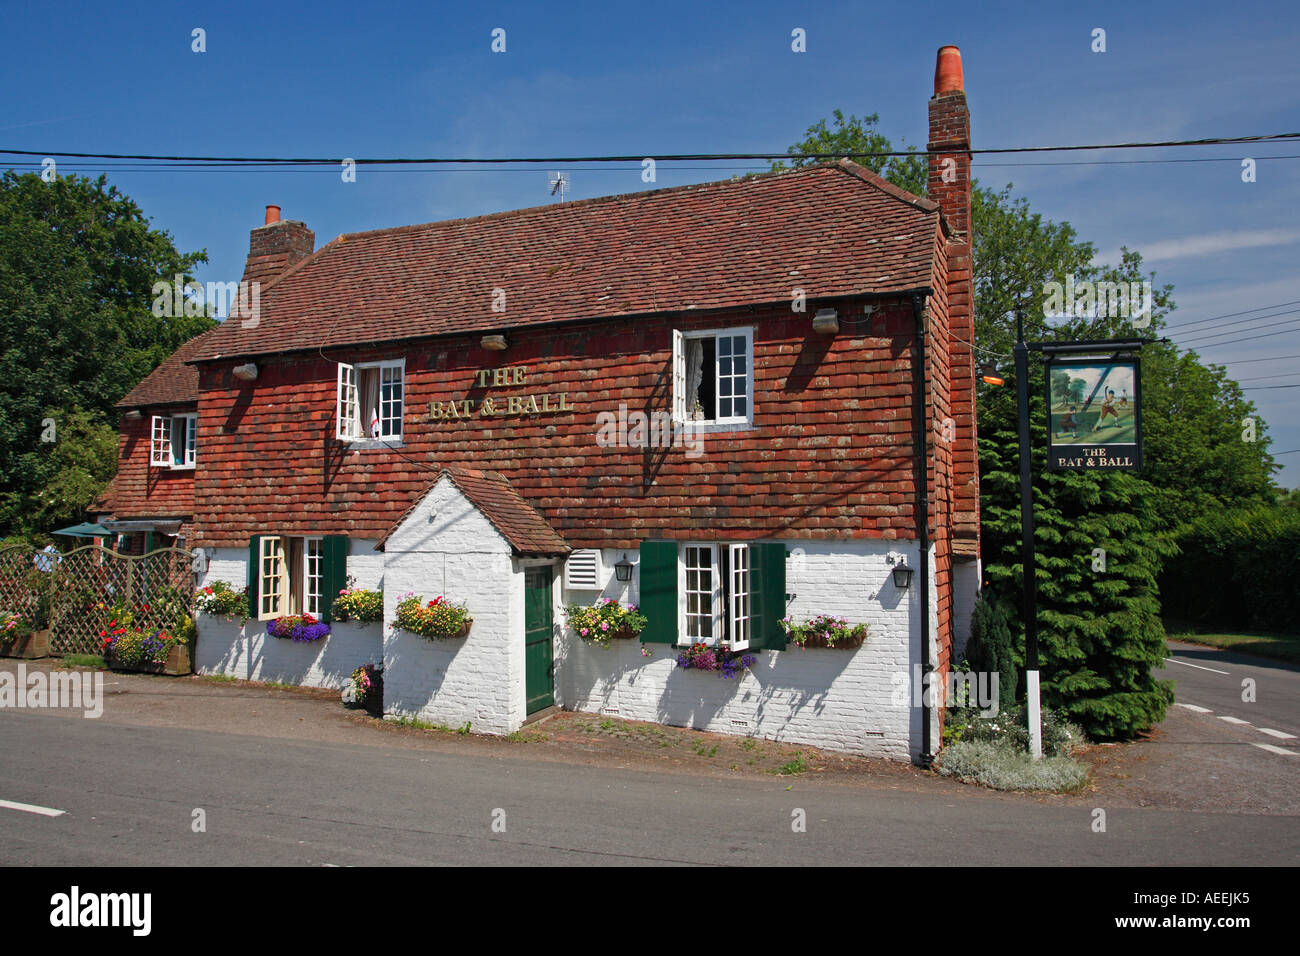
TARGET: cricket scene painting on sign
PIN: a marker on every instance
(1093, 415)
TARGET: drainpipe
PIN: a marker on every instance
(920, 431)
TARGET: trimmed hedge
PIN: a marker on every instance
(1238, 568)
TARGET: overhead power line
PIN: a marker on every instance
(667, 158)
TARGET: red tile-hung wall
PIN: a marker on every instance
(829, 456)
(143, 491)
(944, 440)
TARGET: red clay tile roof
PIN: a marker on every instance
(832, 230)
(519, 522)
(173, 382)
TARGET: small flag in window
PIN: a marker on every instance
(374, 423)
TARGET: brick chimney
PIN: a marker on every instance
(276, 246)
(949, 186)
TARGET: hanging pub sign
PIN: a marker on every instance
(1094, 415)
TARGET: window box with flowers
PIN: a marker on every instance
(219, 599)
(435, 620)
(825, 630)
(19, 639)
(299, 628)
(721, 659)
(605, 621)
(359, 605)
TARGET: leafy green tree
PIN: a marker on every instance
(78, 262)
(856, 135)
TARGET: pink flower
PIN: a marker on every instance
(604, 627)
(583, 632)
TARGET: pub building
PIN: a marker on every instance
(728, 404)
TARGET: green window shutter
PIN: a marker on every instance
(334, 571)
(659, 591)
(254, 573)
(768, 585)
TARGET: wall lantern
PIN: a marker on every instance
(989, 374)
(494, 343)
(826, 321)
(133, 415)
(902, 576)
(623, 569)
(246, 372)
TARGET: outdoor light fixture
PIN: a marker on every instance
(989, 374)
(827, 321)
(902, 576)
(133, 415)
(495, 343)
(246, 372)
(623, 569)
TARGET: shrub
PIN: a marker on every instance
(437, 619)
(302, 628)
(219, 599)
(12, 626)
(991, 649)
(1060, 736)
(358, 604)
(834, 631)
(596, 624)
(998, 765)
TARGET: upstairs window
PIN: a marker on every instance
(370, 401)
(174, 441)
(713, 380)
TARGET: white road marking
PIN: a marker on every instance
(1276, 733)
(29, 808)
(1197, 666)
(1277, 750)
(1234, 720)
(1193, 707)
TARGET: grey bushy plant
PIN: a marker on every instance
(998, 765)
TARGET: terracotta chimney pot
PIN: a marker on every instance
(947, 71)
(273, 212)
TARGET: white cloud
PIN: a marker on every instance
(1187, 247)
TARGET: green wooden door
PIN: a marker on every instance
(539, 659)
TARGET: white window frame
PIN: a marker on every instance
(349, 415)
(311, 598)
(162, 447)
(272, 578)
(731, 603)
(683, 404)
(275, 568)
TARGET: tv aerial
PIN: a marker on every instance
(559, 183)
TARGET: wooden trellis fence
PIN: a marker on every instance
(76, 594)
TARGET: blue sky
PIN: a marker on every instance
(380, 79)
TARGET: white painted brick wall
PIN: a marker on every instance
(838, 699)
(966, 576)
(460, 556)
(223, 647)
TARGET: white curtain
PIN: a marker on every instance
(694, 375)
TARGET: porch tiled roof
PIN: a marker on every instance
(831, 230)
(522, 525)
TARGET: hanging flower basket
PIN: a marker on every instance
(605, 621)
(439, 619)
(825, 631)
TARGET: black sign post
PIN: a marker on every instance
(1094, 374)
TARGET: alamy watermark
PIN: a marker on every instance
(233, 299)
(638, 429)
(977, 689)
(1093, 300)
(79, 690)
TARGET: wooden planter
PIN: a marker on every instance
(463, 632)
(816, 640)
(177, 663)
(624, 634)
(36, 644)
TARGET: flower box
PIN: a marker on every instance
(438, 620)
(29, 646)
(177, 664)
(817, 640)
